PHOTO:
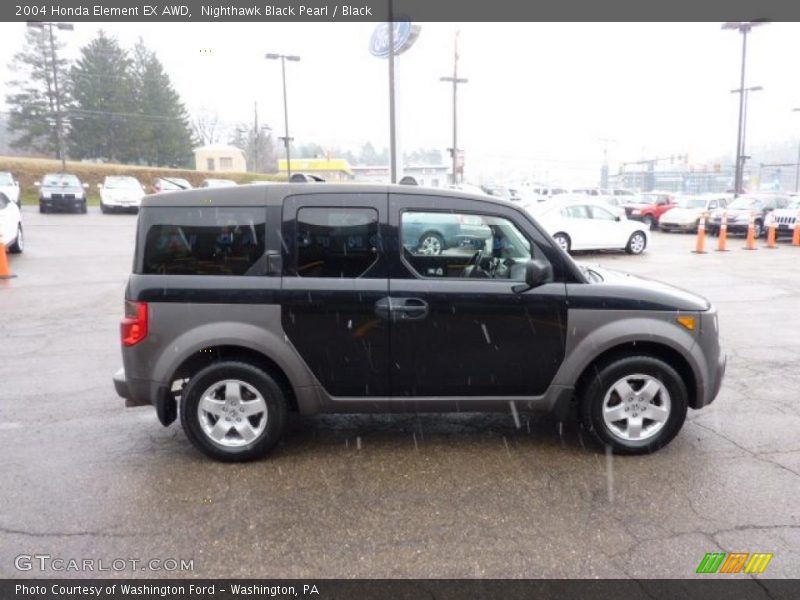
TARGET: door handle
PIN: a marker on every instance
(402, 309)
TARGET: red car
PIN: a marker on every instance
(649, 207)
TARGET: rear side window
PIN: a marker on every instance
(336, 242)
(203, 241)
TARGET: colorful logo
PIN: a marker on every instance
(734, 562)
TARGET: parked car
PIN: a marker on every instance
(686, 214)
(649, 207)
(11, 225)
(61, 191)
(120, 193)
(588, 224)
(432, 235)
(233, 322)
(217, 183)
(169, 184)
(786, 218)
(759, 205)
(10, 187)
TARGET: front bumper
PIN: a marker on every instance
(691, 226)
(66, 202)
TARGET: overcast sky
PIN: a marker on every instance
(539, 97)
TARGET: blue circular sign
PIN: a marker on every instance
(404, 36)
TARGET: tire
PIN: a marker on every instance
(430, 244)
(255, 389)
(668, 404)
(104, 209)
(636, 243)
(42, 209)
(563, 240)
(19, 244)
(649, 222)
(83, 209)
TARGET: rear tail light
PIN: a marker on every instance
(133, 328)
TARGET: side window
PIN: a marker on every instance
(456, 245)
(601, 214)
(336, 242)
(203, 241)
(577, 211)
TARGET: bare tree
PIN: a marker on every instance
(206, 127)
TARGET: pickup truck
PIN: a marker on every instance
(649, 207)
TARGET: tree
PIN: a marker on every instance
(206, 127)
(259, 147)
(32, 104)
(104, 115)
(164, 136)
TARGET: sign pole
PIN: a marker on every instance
(392, 140)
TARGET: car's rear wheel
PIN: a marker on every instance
(430, 244)
(636, 243)
(562, 239)
(649, 221)
(635, 405)
(233, 411)
(19, 244)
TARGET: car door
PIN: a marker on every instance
(334, 274)
(456, 332)
(606, 229)
(577, 222)
(8, 219)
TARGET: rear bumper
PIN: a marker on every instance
(138, 392)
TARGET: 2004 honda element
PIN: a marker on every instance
(249, 302)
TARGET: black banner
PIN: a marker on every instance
(415, 10)
(380, 589)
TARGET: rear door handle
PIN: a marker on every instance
(402, 309)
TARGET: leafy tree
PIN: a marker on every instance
(164, 136)
(104, 114)
(33, 101)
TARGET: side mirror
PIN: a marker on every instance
(537, 272)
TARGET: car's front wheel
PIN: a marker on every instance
(19, 244)
(636, 243)
(233, 411)
(635, 404)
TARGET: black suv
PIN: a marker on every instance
(249, 302)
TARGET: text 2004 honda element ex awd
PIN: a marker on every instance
(248, 302)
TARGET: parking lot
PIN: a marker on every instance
(465, 495)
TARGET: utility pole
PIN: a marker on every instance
(604, 170)
(62, 152)
(743, 136)
(392, 131)
(286, 139)
(256, 137)
(744, 28)
(455, 81)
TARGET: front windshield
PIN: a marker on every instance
(744, 203)
(61, 180)
(691, 203)
(6, 179)
(121, 183)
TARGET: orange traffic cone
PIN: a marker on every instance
(700, 244)
(751, 234)
(722, 244)
(5, 270)
(772, 228)
(796, 234)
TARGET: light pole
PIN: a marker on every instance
(286, 139)
(797, 166)
(743, 144)
(62, 153)
(455, 80)
(744, 28)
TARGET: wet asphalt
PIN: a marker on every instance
(464, 495)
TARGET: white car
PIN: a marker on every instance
(120, 192)
(786, 219)
(586, 224)
(9, 186)
(11, 225)
(685, 216)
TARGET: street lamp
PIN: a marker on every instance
(286, 139)
(62, 154)
(455, 81)
(743, 145)
(744, 28)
